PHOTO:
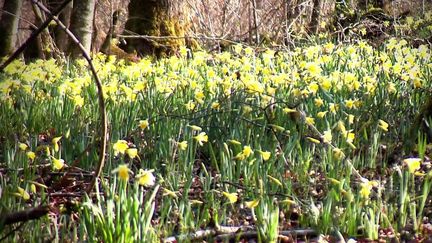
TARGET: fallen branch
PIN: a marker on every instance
(24, 215)
(232, 232)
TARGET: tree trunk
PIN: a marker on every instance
(9, 26)
(82, 25)
(315, 17)
(61, 38)
(154, 18)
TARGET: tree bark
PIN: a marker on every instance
(9, 26)
(61, 38)
(154, 18)
(315, 17)
(82, 25)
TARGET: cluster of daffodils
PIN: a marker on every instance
(47, 151)
(143, 177)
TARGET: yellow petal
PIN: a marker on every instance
(232, 197)
(146, 178)
(413, 164)
(31, 155)
(132, 152)
(143, 124)
(58, 163)
(252, 204)
(265, 155)
(183, 145)
(23, 146)
(274, 180)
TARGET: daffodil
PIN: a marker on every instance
(313, 140)
(321, 114)
(143, 124)
(122, 172)
(252, 204)
(23, 146)
(182, 145)
(201, 138)
(289, 110)
(23, 193)
(338, 154)
(146, 178)
(215, 105)
(265, 155)
(132, 152)
(366, 188)
(55, 143)
(120, 147)
(310, 121)
(318, 102)
(413, 164)
(350, 119)
(232, 197)
(58, 164)
(383, 125)
(247, 151)
(327, 136)
(195, 128)
(31, 155)
(170, 193)
(275, 180)
(235, 142)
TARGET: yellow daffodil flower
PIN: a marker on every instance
(132, 152)
(235, 142)
(23, 146)
(195, 128)
(275, 180)
(146, 178)
(338, 154)
(383, 125)
(120, 147)
(366, 188)
(55, 143)
(143, 124)
(327, 136)
(31, 155)
(350, 119)
(313, 140)
(321, 114)
(252, 204)
(413, 164)
(310, 121)
(232, 197)
(170, 193)
(182, 145)
(265, 155)
(318, 102)
(23, 193)
(122, 172)
(247, 151)
(201, 138)
(58, 164)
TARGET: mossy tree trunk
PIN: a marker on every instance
(158, 19)
(9, 26)
(82, 25)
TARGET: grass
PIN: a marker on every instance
(309, 138)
